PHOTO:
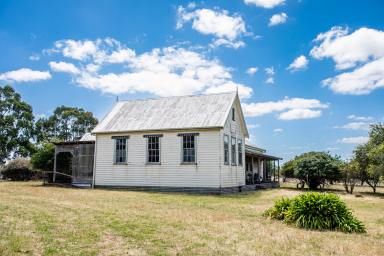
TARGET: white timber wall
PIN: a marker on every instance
(170, 173)
(232, 175)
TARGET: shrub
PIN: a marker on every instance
(316, 211)
(17, 169)
(44, 158)
(279, 210)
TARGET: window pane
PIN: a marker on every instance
(153, 149)
(240, 151)
(189, 149)
(120, 151)
(233, 150)
(226, 149)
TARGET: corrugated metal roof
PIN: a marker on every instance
(183, 112)
(88, 137)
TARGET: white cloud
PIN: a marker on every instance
(363, 50)
(360, 118)
(227, 43)
(25, 75)
(353, 140)
(277, 130)
(226, 29)
(34, 57)
(277, 19)
(354, 126)
(244, 91)
(252, 126)
(252, 70)
(288, 108)
(64, 67)
(347, 50)
(270, 80)
(268, 4)
(360, 81)
(269, 71)
(79, 50)
(163, 72)
(295, 114)
(299, 63)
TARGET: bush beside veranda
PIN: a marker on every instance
(316, 211)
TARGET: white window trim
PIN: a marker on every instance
(226, 162)
(114, 149)
(181, 135)
(147, 150)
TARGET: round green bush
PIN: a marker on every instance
(279, 210)
(317, 211)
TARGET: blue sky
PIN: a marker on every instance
(84, 53)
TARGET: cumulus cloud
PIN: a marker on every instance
(299, 63)
(355, 126)
(226, 29)
(279, 18)
(277, 130)
(64, 67)
(252, 70)
(360, 81)
(347, 50)
(270, 72)
(360, 118)
(287, 109)
(268, 4)
(164, 72)
(25, 75)
(295, 114)
(363, 50)
(353, 140)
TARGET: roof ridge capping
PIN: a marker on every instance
(179, 96)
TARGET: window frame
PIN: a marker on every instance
(116, 138)
(233, 114)
(147, 155)
(184, 135)
(226, 149)
(240, 152)
(233, 151)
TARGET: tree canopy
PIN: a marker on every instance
(66, 123)
(370, 157)
(17, 127)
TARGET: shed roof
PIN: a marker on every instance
(181, 112)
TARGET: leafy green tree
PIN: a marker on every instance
(376, 135)
(43, 159)
(376, 166)
(350, 175)
(16, 122)
(315, 168)
(66, 123)
(361, 157)
(288, 169)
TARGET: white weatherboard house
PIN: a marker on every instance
(192, 143)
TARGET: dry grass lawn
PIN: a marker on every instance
(38, 220)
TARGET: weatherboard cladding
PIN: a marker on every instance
(184, 112)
